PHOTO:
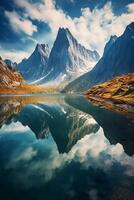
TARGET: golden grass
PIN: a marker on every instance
(28, 89)
(116, 95)
(120, 89)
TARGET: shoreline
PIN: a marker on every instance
(118, 106)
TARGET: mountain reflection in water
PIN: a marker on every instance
(63, 147)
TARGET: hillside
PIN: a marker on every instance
(117, 59)
(118, 91)
(120, 88)
(11, 82)
(9, 78)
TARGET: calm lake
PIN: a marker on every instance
(64, 148)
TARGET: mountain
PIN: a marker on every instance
(12, 82)
(44, 119)
(111, 41)
(48, 116)
(9, 77)
(9, 62)
(34, 67)
(117, 59)
(68, 59)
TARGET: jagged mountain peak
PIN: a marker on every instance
(113, 38)
(129, 31)
(34, 67)
(64, 31)
(66, 37)
(110, 42)
(68, 58)
(42, 49)
(118, 58)
(42, 46)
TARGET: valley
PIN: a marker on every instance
(66, 99)
(68, 68)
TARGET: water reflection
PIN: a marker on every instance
(117, 128)
(59, 147)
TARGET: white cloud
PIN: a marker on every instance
(26, 155)
(94, 150)
(20, 24)
(82, 147)
(14, 56)
(93, 194)
(92, 28)
(14, 127)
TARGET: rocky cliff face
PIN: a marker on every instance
(34, 67)
(68, 59)
(9, 77)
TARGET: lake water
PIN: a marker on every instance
(56, 147)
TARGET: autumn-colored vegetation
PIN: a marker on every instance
(28, 89)
(11, 82)
(116, 94)
(119, 89)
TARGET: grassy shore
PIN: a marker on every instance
(28, 89)
(116, 94)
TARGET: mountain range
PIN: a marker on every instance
(73, 114)
(12, 82)
(44, 119)
(66, 61)
(117, 59)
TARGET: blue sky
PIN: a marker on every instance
(27, 22)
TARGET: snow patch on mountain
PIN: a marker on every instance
(68, 58)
